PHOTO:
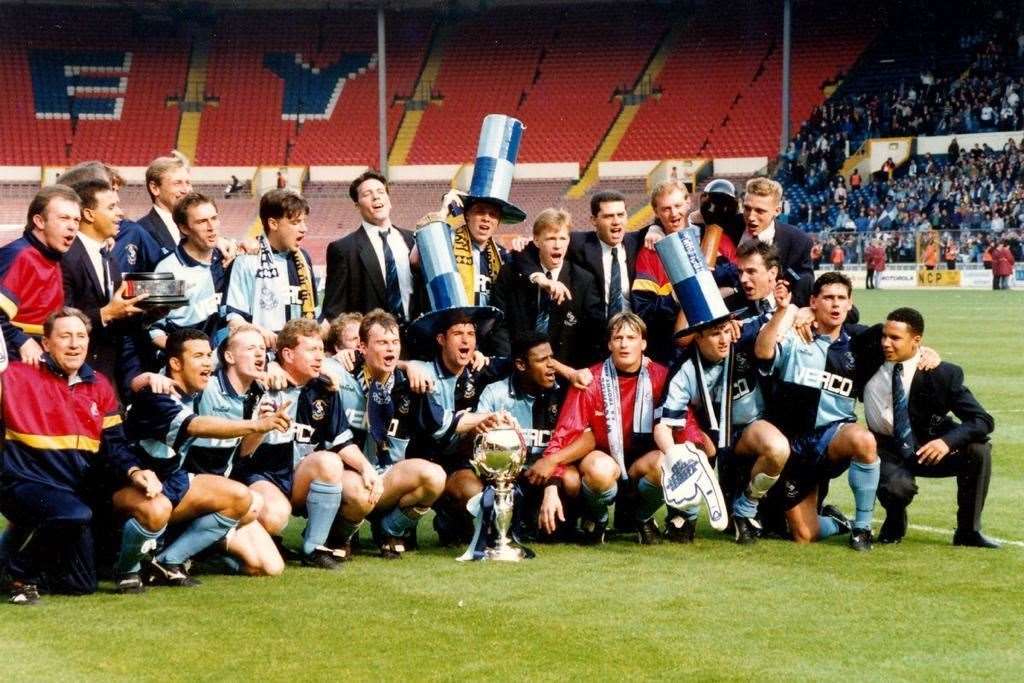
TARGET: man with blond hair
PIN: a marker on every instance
(167, 181)
(762, 204)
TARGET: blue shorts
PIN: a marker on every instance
(282, 479)
(811, 448)
(176, 485)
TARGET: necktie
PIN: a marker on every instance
(615, 299)
(485, 277)
(543, 308)
(765, 306)
(105, 274)
(901, 431)
(393, 291)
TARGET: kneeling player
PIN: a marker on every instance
(700, 385)
(617, 412)
(457, 385)
(814, 404)
(233, 393)
(163, 427)
(383, 414)
(532, 396)
(303, 468)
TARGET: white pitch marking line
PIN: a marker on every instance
(949, 532)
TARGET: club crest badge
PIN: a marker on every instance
(268, 301)
(319, 409)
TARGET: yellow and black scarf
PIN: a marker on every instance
(462, 245)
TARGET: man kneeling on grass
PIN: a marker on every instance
(163, 427)
(614, 418)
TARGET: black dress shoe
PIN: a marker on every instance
(974, 539)
(894, 528)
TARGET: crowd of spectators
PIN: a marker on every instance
(986, 97)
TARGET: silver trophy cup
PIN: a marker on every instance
(498, 458)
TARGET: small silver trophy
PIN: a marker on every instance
(498, 458)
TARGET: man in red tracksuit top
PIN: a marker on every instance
(31, 284)
(63, 446)
(606, 430)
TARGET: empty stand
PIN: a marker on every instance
(86, 91)
(305, 84)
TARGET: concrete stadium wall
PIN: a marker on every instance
(939, 144)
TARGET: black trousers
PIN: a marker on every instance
(972, 467)
(49, 540)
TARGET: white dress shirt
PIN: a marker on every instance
(606, 264)
(168, 220)
(92, 248)
(878, 394)
(400, 250)
(767, 235)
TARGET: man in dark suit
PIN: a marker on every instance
(762, 203)
(92, 279)
(908, 410)
(167, 181)
(575, 326)
(593, 251)
(370, 268)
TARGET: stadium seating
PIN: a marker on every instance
(328, 112)
(548, 77)
(65, 98)
(720, 89)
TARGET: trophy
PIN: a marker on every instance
(498, 458)
(163, 289)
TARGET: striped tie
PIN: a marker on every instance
(543, 308)
(901, 431)
(393, 291)
(615, 299)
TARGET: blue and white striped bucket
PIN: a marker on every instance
(692, 282)
(496, 154)
(448, 300)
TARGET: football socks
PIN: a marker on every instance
(863, 480)
(322, 505)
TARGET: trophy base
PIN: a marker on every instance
(506, 554)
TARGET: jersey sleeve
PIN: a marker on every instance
(159, 417)
(573, 419)
(677, 400)
(239, 291)
(336, 432)
(115, 444)
(784, 349)
(10, 302)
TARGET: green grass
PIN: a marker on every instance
(922, 610)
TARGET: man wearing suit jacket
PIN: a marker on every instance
(92, 278)
(908, 411)
(762, 203)
(575, 326)
(593, 252)
(369, 268)
(167, 180)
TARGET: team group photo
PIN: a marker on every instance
(636, 340)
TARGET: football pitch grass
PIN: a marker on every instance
(922, 610)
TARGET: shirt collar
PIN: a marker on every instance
(911, 362)
(51, 254)
(165, 216)
(225, 382)
(91, 244)
(85, 373)
(767, 235)
(187, 260)
(375, 229)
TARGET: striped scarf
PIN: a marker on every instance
(463, 249)
(643, 410)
